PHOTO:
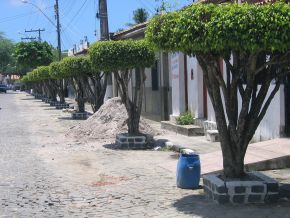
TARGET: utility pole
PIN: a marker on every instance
(58, 29)
(104, 35)
(28, 38)
(103, 16)
(37, 30)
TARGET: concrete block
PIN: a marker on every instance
(222, 199)
(258, 189)
(212, 135)
(240, 189)
(238, 199)
(254, 198)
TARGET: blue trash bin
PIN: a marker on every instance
(188, 171)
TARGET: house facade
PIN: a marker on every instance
(189, 93)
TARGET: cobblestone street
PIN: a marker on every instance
(45, 174)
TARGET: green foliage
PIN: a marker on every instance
(140, 15)
(185, 118)
(33, 54)
(111, 56)
(202, 28)
(41, 73)
(6, 50)
(54, 70)
(74, 67)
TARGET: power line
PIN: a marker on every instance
(38, 30)
(85, 1)
(15, 17)
(28, 38)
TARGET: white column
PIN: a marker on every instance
(178, 86)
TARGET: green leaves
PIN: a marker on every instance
(37, 75)
(33, 54)
(74, 67)
(54, 70)
(110, 56)
(6, 50)
(202, 28)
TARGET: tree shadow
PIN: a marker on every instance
(11, 93)
(65, 118)
(49, 108)
(26, 99)
(198, 205)
(111, 146)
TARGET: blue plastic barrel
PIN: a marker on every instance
(188, 171)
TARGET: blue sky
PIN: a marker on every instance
(77, 18)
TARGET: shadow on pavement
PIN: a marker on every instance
(26, 99)
(11, 93)
(49, 108)
(200, 206)
(63, 118)
(110, 146)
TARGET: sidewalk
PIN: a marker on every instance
(271, 154)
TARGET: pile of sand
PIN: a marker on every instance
(107, 122)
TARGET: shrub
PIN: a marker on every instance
(185, 118)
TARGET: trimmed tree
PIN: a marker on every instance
(121, 57)
(76, 69)
(44, 80)
(57, 82)
(254, 43)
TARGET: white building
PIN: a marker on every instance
(189, 93)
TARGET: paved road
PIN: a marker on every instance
(44, 174)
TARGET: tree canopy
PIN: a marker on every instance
(208, 27)
(33, 54)
(41, 73)
(140, 15)
(112, 56)
(74, 67)
(6, 50)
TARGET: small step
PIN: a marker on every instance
(187, 130)
(212, 135)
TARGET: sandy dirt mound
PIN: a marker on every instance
(108, 121)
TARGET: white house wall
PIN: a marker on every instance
(274, 121)
(271, 126)
(195, 87)
(177, 83)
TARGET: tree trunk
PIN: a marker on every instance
(237, 125)
(134, 105)
(80, 94)
(133, 120)
(81, 105)
(61, 92)
(233, 162)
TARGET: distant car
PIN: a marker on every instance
(16, 87)
(3, 88)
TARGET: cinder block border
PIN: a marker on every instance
(138, 142)
(79, 116)
(261, 190)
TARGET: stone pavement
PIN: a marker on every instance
(271, 154)
(44, 174)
